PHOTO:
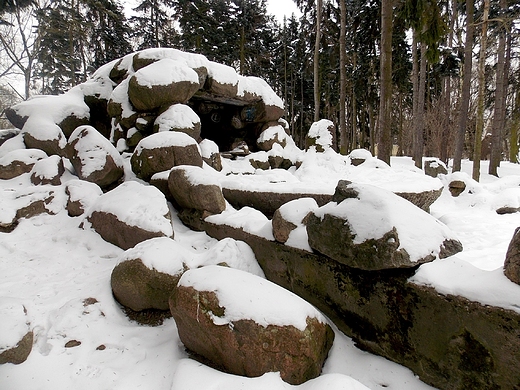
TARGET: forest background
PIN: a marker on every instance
(403, 77)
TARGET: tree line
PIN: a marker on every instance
(405, 77)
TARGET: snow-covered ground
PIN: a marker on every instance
(53, 267)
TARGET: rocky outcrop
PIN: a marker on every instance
(512, 262)
(94, 158)
(130, 214)
(370, 229)
(162, 151)
(192, 188)
(214, 309)
(19, 161)
(146, 275)
(449, 341)
(291, 216)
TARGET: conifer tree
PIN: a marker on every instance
(153, 26)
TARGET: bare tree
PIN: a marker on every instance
(18, 47)
(343, 78)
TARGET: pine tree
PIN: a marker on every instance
(153, 26)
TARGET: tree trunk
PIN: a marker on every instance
(415, 85)
(317, 61)
(466, 87)
(419, 129)
(384, 149)
(497, 128)
(481, 89)
(447, 92)
(513, 140)
(343, 79)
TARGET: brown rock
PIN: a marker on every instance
(434, 167)
(145, 215)
(423, 199)
(20, 352)
(512, 263)
(162, 151)
(16, 119)
(48, 171)
(148, 98)
(242, 346)
(281, 227)
(457, 187)
(119, 233)
(94, 158)
(53, 142)
(140, 286)
(192, 188)
(69, 124)
(336, 231)
(268, 202)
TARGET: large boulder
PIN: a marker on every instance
(248, 326)
(370, 228)
(222, 80)
(193, 188)
(147, 274)
(273, 134)
(94, 158)
(41, 133)
(162, 151)
(16, 337)
(162, 83)
(129, 214)
(179, 117)
(20, 161)
(512, 263)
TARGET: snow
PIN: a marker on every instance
(191, 375)
(178, 116)
(164, 139)
(11, 145)
(259, 87)
(248, 219)
(208, 148)
(222, 74)
(295, 211)
(165, 72)
(198, 176)
(320, 132)
(47, 168)
(83, 191)
(136, 205)
(44, 130)
(192, 60)
(54, 109)
(27, 156)
(14, 323)
(273, 132)
(51, 267)
(375, 212)
(248, 297)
